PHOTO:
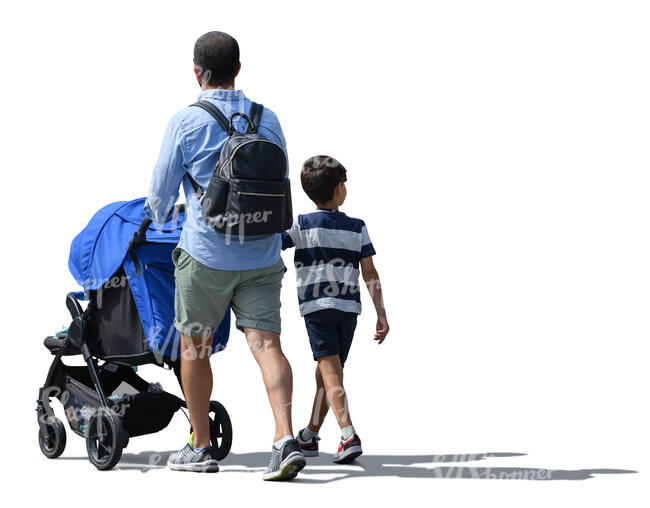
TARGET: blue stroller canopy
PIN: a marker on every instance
(101, 249)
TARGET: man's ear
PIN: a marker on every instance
(238, 69)
(197, 73)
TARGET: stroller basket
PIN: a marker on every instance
(142, 412)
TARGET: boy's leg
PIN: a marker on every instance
(331, 371)
(196, 375)
(330, 335)
(320, 407)
(350, 445)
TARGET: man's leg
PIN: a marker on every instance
(320, 407)
(256, 303)
(196, 378)
(286, 457)
(331, 372)
(201, 300)
(196, 375)
(277, 376)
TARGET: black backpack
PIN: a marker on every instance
(248, 193)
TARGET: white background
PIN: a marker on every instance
(498, 152)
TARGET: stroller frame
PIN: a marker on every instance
(106, 424)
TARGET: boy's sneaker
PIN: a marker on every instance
(348, 450)
(188, 459)
(285, 462)
(309, 447)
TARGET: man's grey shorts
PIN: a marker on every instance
(203, 294)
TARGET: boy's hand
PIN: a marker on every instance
(371, 278)
(382, 329)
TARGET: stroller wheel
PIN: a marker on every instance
(220, 429)
(51, 438)
(104, 439)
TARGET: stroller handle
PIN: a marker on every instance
(140, 237)
(142, 232)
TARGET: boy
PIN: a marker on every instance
(330, 246)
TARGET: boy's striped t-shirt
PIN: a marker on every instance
(329, 246)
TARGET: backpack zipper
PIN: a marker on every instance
(239, 193)
(219, 167)
(232, 155)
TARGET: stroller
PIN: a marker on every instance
(124, 264)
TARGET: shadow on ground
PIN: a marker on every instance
(398, 466)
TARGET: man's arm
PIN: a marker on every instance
(271, 129)
(371, 278)
(167, 175)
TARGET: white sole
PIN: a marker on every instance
(289, 468)
(208, 466)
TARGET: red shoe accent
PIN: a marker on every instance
(342, 445)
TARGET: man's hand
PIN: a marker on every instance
(382, 329)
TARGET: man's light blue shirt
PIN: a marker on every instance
(192, 144)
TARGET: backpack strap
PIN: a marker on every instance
(197, 188)
(255, 115)
(214, 113)
(221, 119)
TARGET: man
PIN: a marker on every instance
(214, 271)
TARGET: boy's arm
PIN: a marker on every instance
(371, 278)
(289, 235)
(287, 242)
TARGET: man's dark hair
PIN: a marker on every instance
(319, 176)
(216, 54)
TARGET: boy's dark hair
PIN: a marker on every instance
(216, 54)
(319, 176)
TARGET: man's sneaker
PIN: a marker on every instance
(285, 462)
(348, 450)
(188, 459)
(309, 447)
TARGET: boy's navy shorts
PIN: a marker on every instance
(330, 332)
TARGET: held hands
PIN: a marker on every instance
(382, 328)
